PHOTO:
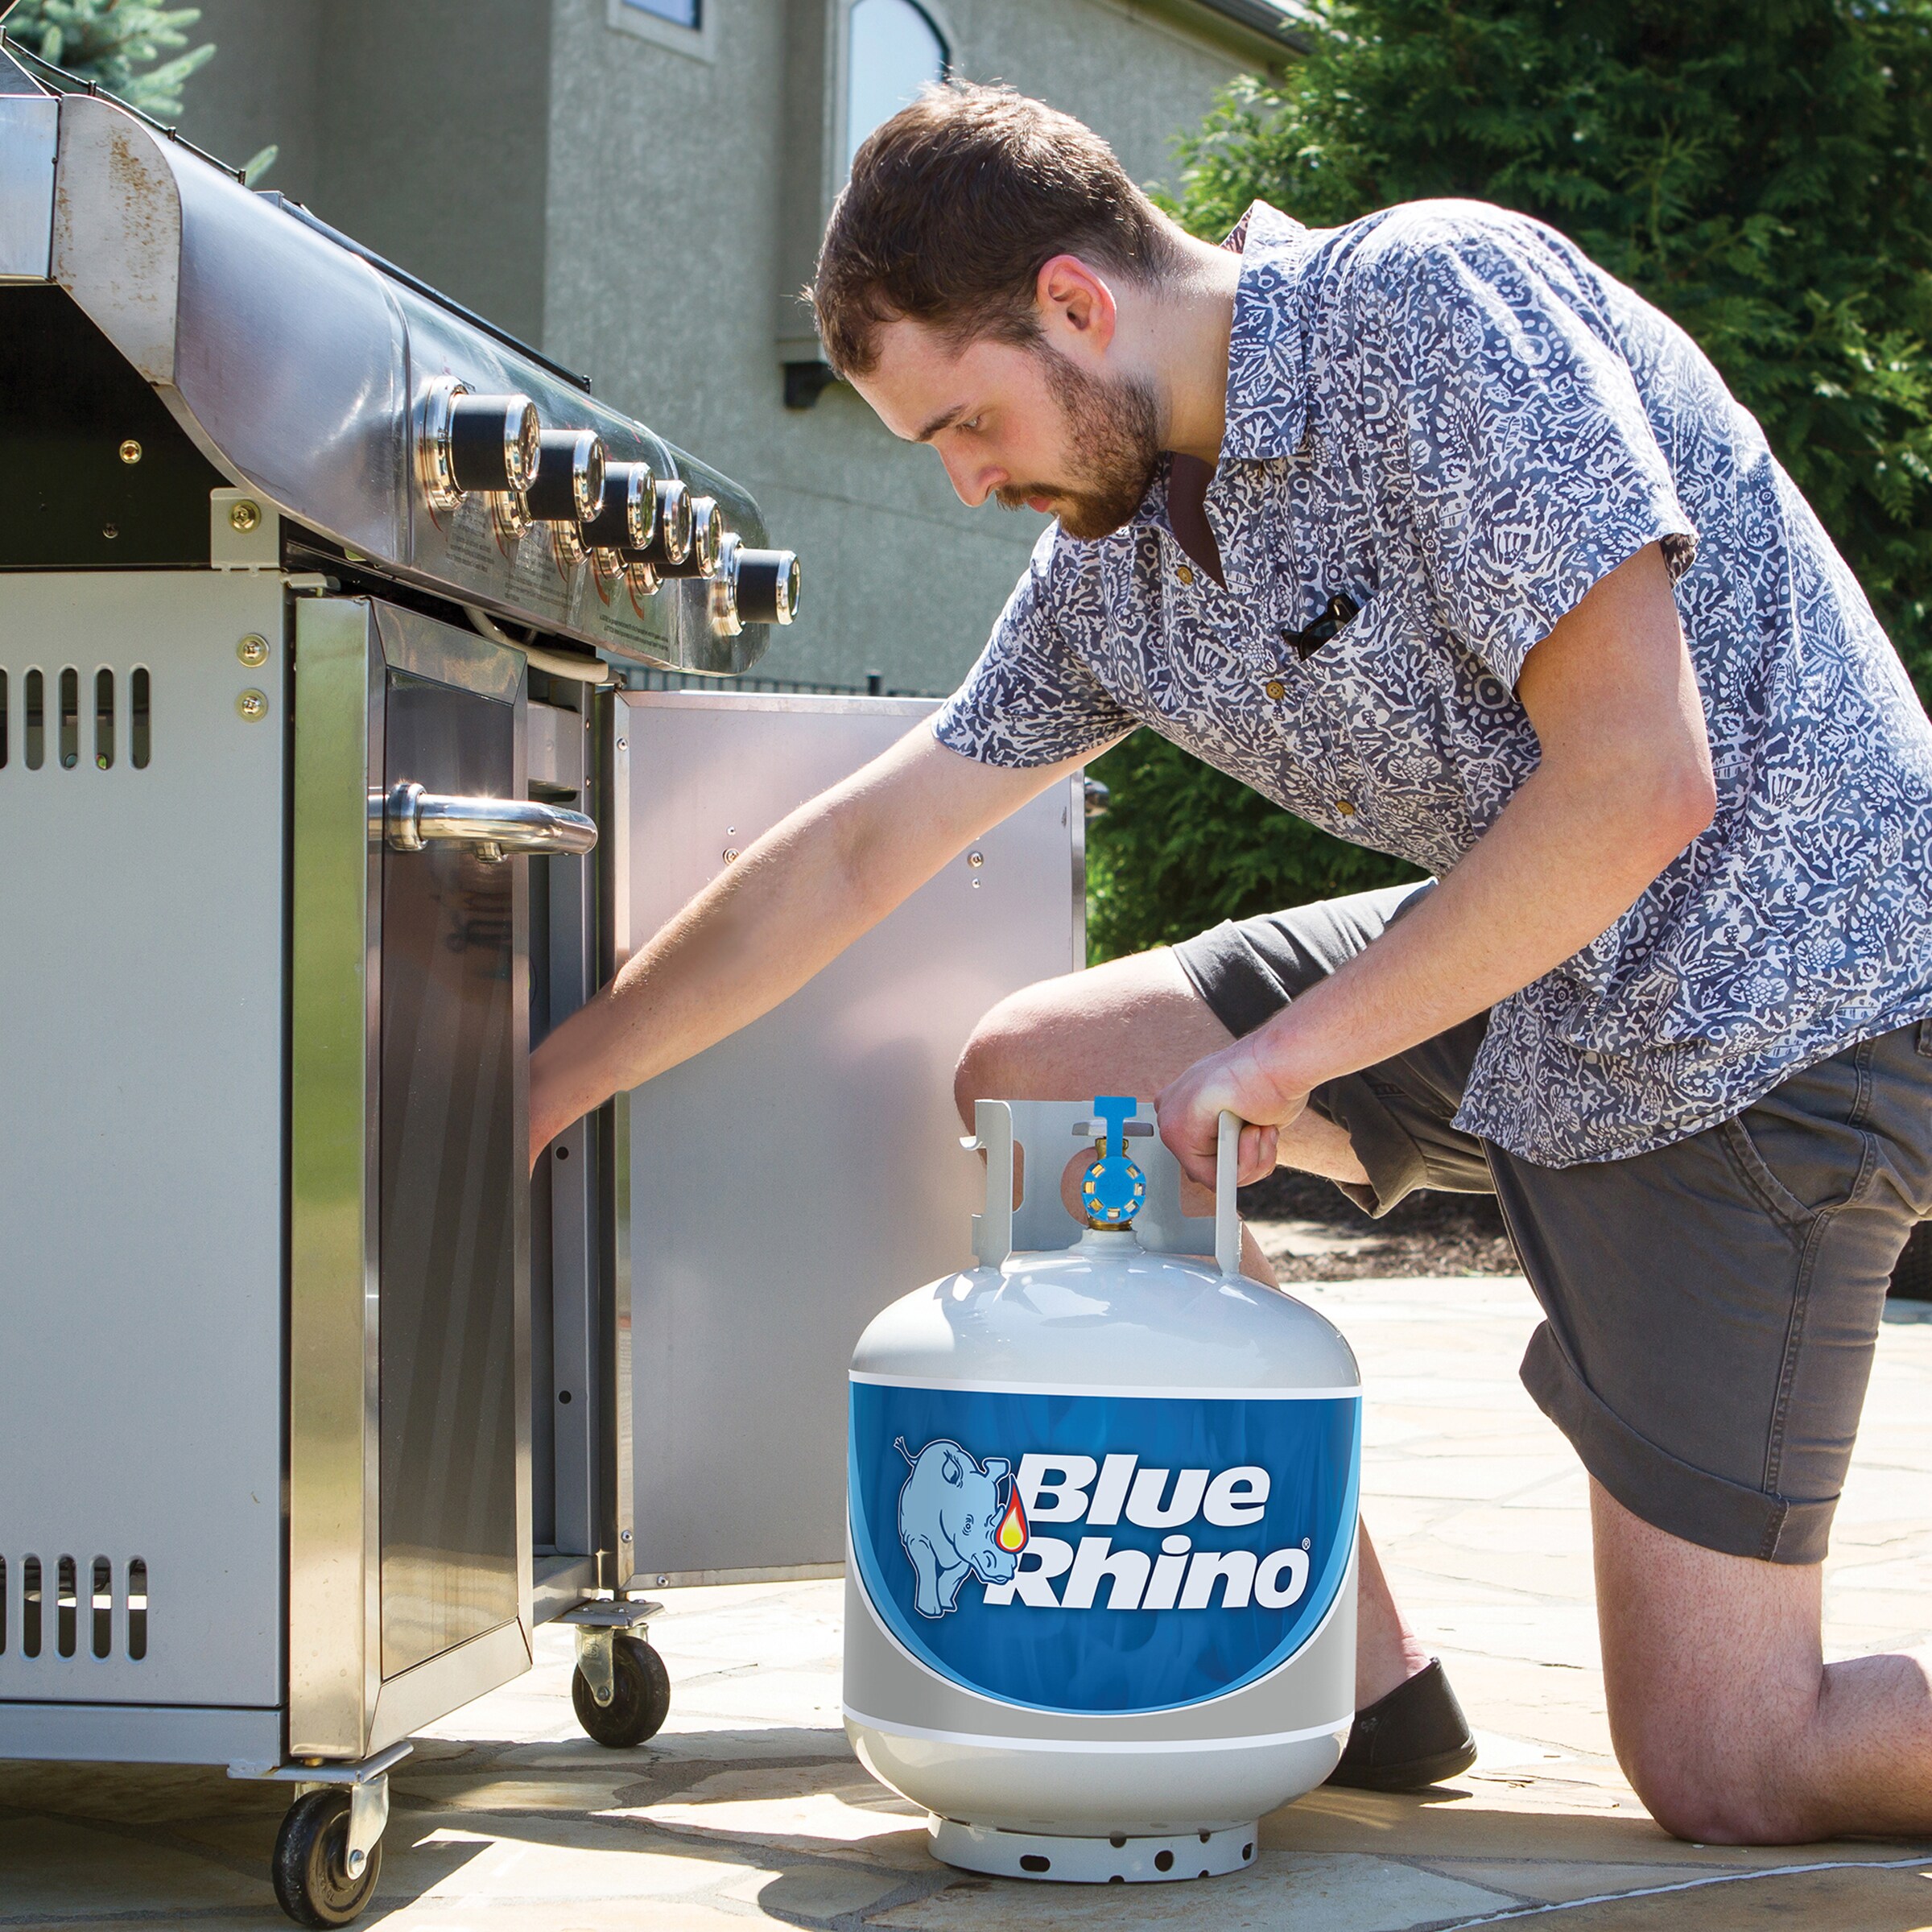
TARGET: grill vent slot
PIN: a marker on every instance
(68, 1604)
(70, 718)
(76, 1618)
(104, 719)
(138, 718)
(30, 1607)
(101, 1602)
(136, 1608)
(33, 725)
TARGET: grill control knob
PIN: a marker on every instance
(707, 534)
(627, 519)
(670, 543)
(494, 442)
(569, 484)
(476, 443)
(753, 587)
(767, 586)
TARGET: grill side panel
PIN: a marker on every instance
(141, 1081)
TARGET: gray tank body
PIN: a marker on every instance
(1087, 1687)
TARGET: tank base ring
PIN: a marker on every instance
(1120, 1860)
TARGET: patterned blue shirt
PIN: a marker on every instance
(1447, 414)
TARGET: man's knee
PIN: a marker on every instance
(1127, 1027)
(1712, 1666)
(995, 1062)
(1718, 1779)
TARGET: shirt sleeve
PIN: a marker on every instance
(1030, 700)
(1532, 464)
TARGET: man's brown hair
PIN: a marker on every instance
(954, 206)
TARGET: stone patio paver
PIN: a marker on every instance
(748, 1809)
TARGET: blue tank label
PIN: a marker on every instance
(1098, 1553)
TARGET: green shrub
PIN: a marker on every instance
(1181, 846)
(1760, 170)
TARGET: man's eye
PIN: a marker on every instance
(972, 423)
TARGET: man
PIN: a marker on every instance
(1430, 531)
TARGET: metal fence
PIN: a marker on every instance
(643, 678)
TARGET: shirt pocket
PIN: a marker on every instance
(1386, 687)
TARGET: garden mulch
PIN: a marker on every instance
(1312, 1232)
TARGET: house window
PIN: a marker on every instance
(686, 26)
(893, 50)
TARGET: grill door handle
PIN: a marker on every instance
(412, 818)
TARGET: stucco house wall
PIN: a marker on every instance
(643, 202)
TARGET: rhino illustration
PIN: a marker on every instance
(949, 1510)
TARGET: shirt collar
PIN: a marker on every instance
(1267, 405)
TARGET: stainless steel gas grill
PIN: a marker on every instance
(318, 598)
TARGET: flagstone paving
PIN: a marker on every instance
(748, 1807)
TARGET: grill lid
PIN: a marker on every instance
(310, 377)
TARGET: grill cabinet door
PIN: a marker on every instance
(408, 1441)
(450, 1179)
(788, 1183)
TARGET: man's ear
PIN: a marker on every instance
(1077, 309)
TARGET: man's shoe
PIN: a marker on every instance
(1414, 1737)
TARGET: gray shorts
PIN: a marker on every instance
(1711, 1307)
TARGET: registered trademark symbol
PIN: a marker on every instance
(1307, 1544)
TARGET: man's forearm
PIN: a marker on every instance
(796, 899)
(751, 938)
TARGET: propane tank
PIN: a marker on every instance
(1099, 1600)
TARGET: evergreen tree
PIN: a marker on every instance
(119, 45)
(116, 43)
(1761, 171)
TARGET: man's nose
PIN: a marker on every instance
(972, 482)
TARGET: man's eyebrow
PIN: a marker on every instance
(944, 420)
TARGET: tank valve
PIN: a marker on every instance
(1114, 1188)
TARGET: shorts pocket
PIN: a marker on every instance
(1800, 1165)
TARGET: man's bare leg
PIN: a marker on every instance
(1726, 1718)
(1130, 1027)
(1387, 1652)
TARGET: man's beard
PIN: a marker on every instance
(1112, 431)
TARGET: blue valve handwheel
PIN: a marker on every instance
(1113, 1191)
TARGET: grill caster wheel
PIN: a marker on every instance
(311, 1865)
(640, 1695)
